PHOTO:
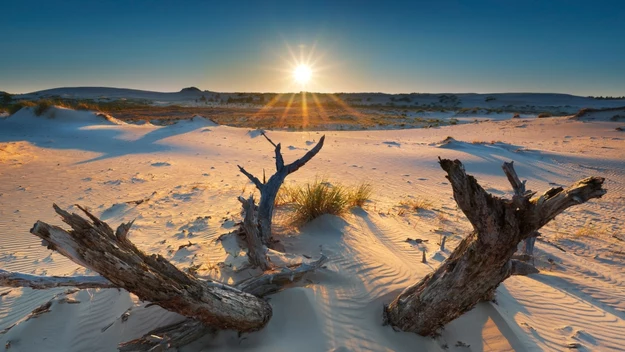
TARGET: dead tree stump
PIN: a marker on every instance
(94, 245)
(482, 260)
(269, 188)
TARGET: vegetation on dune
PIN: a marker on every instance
(9, 104)
(43, 106)
(415, 204)
(320, 197)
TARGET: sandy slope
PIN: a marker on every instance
(188, 172)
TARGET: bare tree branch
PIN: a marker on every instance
(477, 205)
(252, 178)
(270, 141)
(269, 188)
(189, 330)
(168, 337)
(294, 166)
(13, 279)
(556, 200)
(271, 282)
(256, 250)
(151, 277)
(484, 258)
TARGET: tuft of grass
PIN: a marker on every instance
(590, 230)
(416, 204)
(318, 198)
(286, 195)
(322, 197)
(17, 106)
(43, 106)
(360, 194)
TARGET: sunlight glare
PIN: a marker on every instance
(302, 74)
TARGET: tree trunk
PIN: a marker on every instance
(269, 189)
(256, 250)
(482, 260)
(209, 305)
(96, 246)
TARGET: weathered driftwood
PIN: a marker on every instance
(256, 250)
(269, 188)
(482, 260)
(274, 281)
(94, 245)
(12, 279)
(189, 330)
(168, 337)
(209, 305)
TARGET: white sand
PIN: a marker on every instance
(188, 170)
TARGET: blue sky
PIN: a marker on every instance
(575, 47)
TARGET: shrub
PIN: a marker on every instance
(360, 194)
(590, 230)
(43, 106)
(416, 204)
(13, 108)
(544, 114)
(321, 197)
(318, 198)
(453, 121)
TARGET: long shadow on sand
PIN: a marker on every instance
(109, 140)
(532, 164)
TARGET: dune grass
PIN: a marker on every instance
(321, 197)
(416, 204)
(43, 106)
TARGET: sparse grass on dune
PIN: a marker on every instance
(360, 194)
(545, 114)
(415, 204)
(321, 197)
(43, 106)
(590, 230)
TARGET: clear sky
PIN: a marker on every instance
(566, 46)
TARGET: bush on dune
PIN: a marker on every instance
(321, 197)
(360, 194)
(43, 106)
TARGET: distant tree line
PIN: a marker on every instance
(607, 98)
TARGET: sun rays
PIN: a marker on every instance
(302, 71)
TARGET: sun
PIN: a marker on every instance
(302, 74)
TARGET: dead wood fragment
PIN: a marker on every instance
(483, 259)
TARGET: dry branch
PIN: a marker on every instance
(269, 188)
(482, 260)
(95, 245)
(209, 305)
(274, 281)
(11, 279)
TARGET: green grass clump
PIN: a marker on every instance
(14, 107)
(359, 195)
(320, 197)
(43, 106)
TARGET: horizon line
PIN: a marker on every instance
(299, 92)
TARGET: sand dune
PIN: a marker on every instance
(180, 183)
